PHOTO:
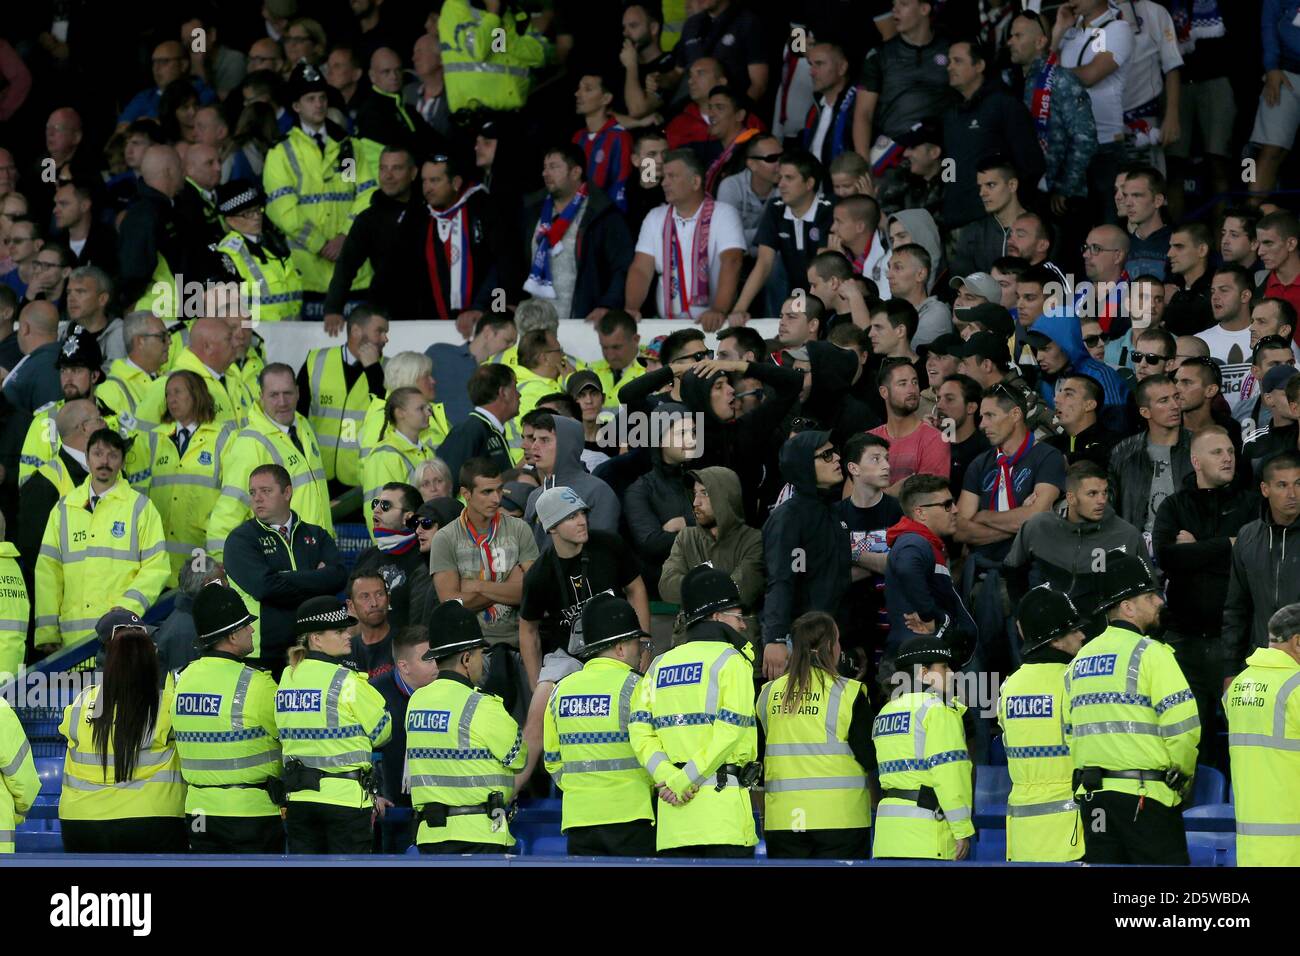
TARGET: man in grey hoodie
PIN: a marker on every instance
(556, 451)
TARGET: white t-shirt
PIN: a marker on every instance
(1233, 350)
(1155, 51)
(725, 232)
(1080, 46)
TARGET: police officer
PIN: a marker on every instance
(256, 252)
(816, 750)
(698, 699)
(224, 718)
(607, 793)
(1043, 824)
(1263, 711)
(330, 721)
(482, 74)
(925, 769)
(316, 179)
(1134, 724)
(15, 609)
(462, 748)
(19, 783)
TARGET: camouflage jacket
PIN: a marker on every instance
(1071, 131)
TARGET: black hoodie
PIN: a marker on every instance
(830, 399)
(1265, 577)
(377, 236)
(653, 500)
(805, 544)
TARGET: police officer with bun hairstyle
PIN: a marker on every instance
(1134, 724)
(463, 749)
(1043, 823)
(330, 721)
(224, 719)
(607, 793)
(693, 727)
(925, 769)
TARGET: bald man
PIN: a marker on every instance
(383, 117)
(63, 159)
(149, 246)
(170, 62)
(196, 214)
(34, 381)
(208, 354)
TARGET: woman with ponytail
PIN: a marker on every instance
(122, 786)
(816, 751)
(402, 449)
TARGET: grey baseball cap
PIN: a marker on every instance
(556, 504)
(981, 284)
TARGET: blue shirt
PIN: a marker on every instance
(144, 105)
(1041, 465)
(452, 367)
(1279, 35)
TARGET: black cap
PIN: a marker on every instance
(994, 318)
(239, 196)
(584, 379)
(923, 649)
(442, 510)
(119, 617)
(986, 345)
(926, 131)
(322, 614)
(949, 343)
(305, 79)
(515, 494)
(79, 349)
(706, 590)
(1044, 615)
(453, 628)
(1125, 576)
(606, 620)
(489, 130)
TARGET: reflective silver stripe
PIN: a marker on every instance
(8, 625)
(693, 773)
(1182, 727)
(50, 551)
(337, 760)
(332, 698)
(164, 776)
(136, 511)
(1041, 809)
(1262, 740)
(164, 481)
(517, 71)
(145, 758)
(313, 379)
(816, 783)
(1115, 727)
(240, 249)
(958, 815)
(237, 698)
(63, 527)
(111, 554)
(467, 718)
(711, 696)
(71, 626)
(230, 491)
(760, 708)
(1135, 664)
(625, 700)
(126, 393)
(138, 597)
(463, 783)
(1279, 707)
(910, 810)
(601, 766)
(180, 547)
(655, 760)
(17, 762)
(918, 735)
(292, 157)
(1268, 829)
(233, 763)
(6, 836)
(74, 719)
(833, 711)
(836, 749)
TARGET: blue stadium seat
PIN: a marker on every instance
(412, 850)
(551, 846)
(50, 770)
(28, 841)
(1208, 787)
(1220, 845)
(1215, 817)
(991, 846)
(992, 787)
(1200, 854)
(997, 752)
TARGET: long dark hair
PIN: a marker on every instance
(128, 703)
(812, 639)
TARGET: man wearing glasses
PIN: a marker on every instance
(749, 189)
(169, 63)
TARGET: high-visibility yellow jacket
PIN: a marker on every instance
(607, 383)
(920, 742)
(224, 719)
(57, 475)
(811, 780)
(263, 443)
(675, 14)
(337, 413)
(313, 197)
(693, 712)
(161, 296)
(90, 791)
(372, 426)
(122, 390)
(179, 342)
(1128, 707)
(396, 459)
(486, 58)
(331, 720)
(184, 489)
(1043, 823)
(1263, 712)
(274, 285)
(461, 746)
(120, 559)
(248, 370)
(15, 608)
(41, 444)
(587, 750)
(19, 783)
(232, 400)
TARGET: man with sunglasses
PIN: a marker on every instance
(395, 556)
(750, 189)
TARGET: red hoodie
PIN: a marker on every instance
(908, 526)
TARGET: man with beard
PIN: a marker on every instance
(915, 447)
(372, 644)
(395, 555)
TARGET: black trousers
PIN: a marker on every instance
(209, 834)
(634, 838)
(463, 846)
(324, 828)
(711, 851)
(1116, 831)
(131, 835)
(1198, 659)
(854, 844)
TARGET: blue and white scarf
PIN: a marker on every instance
(549, 234)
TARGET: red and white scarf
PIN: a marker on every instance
(677, 298)
(1004, 488)
(487, 566)
(450, 228)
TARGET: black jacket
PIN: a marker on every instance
(257, 560)
(830, 400)
(398, 572)
(1131, 472)
(1198, 571)
(1092, 444)
(200, 230)
(150, 229)
(991, 121)
(603, 252)
(36, 500)
(379, 118)
(653, 500)
(805, 545)
(490, 248)
(1265, 577)
(376, 236)
(100, 249)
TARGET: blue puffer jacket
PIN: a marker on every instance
(1064, 331)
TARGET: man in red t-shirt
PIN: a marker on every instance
(915, 447)
(1279, 234)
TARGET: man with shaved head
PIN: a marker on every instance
(33, 381)
(382, 116)
(196, 213)
(170, 62)
(1105, 252)
(149, 240)
(209, 354)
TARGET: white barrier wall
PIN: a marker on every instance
(289, 342)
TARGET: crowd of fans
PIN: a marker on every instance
(1008, 250)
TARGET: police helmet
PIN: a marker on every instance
(606, 620)
(705, 591)
(219, 611)
(1044, 615)
(1125, 576)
